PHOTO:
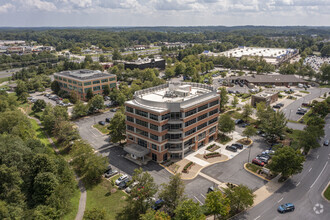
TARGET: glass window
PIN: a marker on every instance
(86, 90)
(165, 127)
(144, 133)
(130, 128)
(69, 81)
(112, 85)
(154, 137)
(175, 115)
(69, 86)
(175, 126)
(141, 113)
(65, 85)
(153, 117)
(112, 79)
(87, 83)
(74, 82)
(191, 131)
(154, 146)
(142, 143)
(129, 118)
(213, 120)
(191, 112)
(80, 90)
(166, 116)
(212, 130)
(142, 123)
(55, 77)
(214, 103)
(65, 80)
(190, 122)
(104, 80)
(199, 127)
(201, 117)
(79, 83)
(96, 82)
(153, 127)
(129, 109)
(213, 112)
(203, 107)
(96, 88)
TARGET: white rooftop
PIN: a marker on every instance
(257, 51)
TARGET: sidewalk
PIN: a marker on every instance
(267, 190)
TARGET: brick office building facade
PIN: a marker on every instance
(80, 81)
(171, 120)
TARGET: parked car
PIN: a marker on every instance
(305, 104)
(245, 125)
(276, 106)
(258, 162)
(130, 187)
(107, 119)
(210, 189)
(113, 110)
(124, 183)
(300, 113)
(238, 146)
(280, 104)
(121, 179)
(101, 123)
(238, 121)
(158, 204)
(326, 143)
(231, 148)
(110, 173)
(263, 158)
(287, 207)
(268, 152)
(302, 110)
(106, 98)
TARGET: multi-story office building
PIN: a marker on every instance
(171, 120)
(145, 63)
(81, 81)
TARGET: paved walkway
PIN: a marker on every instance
(267, 190)
(220, 184)
(83, 193)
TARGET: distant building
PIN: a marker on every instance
(264, 80)
(145, 63)
(273, 56)
(266, 97)
(106, 65)
(170, 120)
(81, 81)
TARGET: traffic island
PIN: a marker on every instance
(245, 141)
(326, 193)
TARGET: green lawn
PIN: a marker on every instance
(327, 193)
(4, 79)
(40, 134)
(234, 114)
(99, 197)
(254, 168)
(304, 92)
(74, 205)
(103, 129)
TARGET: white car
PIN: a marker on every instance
(121, 179)
(129, 189)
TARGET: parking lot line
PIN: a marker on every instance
(203, 196)
(198, 200)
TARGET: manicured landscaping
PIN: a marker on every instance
(211, 155)
(102, 128)
(99, 197)
(304, 92)
(187, 167)
(212, 147)
(223, 139)
(245, 141)
(327, 193)
(40, 133)
(252, 167)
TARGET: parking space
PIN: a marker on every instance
(40, 95)
(196, 189)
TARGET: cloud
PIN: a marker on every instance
(6, 7)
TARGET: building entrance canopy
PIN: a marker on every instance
(136, 150)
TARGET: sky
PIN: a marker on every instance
(61, 13)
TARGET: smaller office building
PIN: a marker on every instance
(83, 80)
(264, 80)
(267, 97)
(145, 63)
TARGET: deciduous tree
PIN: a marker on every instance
(217, 204)
(240, 197)
(189, 210)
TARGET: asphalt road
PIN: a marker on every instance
(7, 73)
(303, 190)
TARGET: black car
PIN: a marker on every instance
(239, 121)
(231, 148)
(276, 106)
(245, 125)
(238, 146)
(280, 104)
(124, 184)
(101, 123)
(300, 113)
(107, 119)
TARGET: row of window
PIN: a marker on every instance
(201, 126)
(201, 108)
(201, 117)
(85, 83)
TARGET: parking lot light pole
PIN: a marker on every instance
(249, 153)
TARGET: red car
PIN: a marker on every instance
(258, 162)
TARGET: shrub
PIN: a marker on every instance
(209, 147)
(188, 165)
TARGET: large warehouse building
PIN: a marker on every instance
(264, 80)
(145, 63)
(83, 80)
(273, 56)
(170, 120)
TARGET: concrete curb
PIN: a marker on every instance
(322, 194)
(255, 173)
(98, 130)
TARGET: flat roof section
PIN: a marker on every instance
(269, 78)
(84, 74)
(258, 51)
